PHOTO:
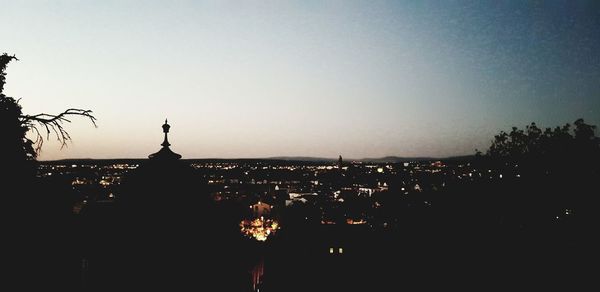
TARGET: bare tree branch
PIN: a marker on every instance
(54, 123)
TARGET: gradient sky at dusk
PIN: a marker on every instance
(310, 78)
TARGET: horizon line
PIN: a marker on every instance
(291, 158)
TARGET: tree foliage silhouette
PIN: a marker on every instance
(557, 171)
(18, 150)
(563, 144)
(38, 211)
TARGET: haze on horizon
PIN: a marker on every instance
(267, 78)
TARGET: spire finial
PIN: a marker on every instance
(166, 127)
(165, 152)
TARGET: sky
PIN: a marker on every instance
(250, 79)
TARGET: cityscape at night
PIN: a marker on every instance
(330, 186)
(274, 146)
(347, 214)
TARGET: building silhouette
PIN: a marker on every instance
(163, 232)
(165, 153)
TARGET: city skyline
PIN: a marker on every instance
(258, 80)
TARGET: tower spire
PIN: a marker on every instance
(166, 128)
(165, 153)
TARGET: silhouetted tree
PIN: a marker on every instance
(39, 231)
(558, 174)
(532, 145)
(18, 152)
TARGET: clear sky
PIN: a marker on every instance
(310, 78)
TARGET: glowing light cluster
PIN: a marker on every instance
(355, 222)
(259, 228)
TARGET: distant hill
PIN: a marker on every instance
(387, 159)
(302, 158)
(396, 159)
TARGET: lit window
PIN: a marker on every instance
(340, 250)
(331, 250)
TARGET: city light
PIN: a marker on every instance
(259, 228)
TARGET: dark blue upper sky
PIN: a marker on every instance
(258, 79)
